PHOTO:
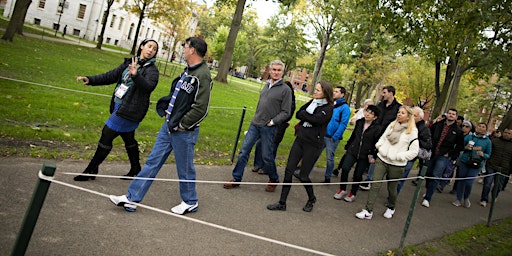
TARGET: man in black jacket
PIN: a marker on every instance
(447, 143)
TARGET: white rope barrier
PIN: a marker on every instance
(92, 93)
(280, 184)
(297, 247)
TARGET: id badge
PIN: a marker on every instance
(121, 91)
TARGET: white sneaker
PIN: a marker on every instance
(364, 214)
(124, 202)
(184, 208)
(389, 213)
(425, 203)
(350, 198)
(365, 187)
(483, 203)
(340, 194)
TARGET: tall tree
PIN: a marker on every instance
(15, 25)
(325, 18)
(138, 7)
(104, 24)
(463, 35)
(227, 57)
(225, 63)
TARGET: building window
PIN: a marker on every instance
(76, 32)
(81, 11)
(108, 40)
(37, 21)
(130, 31)
(121, 21)
(42, 3)
(116, 41)
(112, 21)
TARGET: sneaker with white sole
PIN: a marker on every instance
(123, 201)
(350, 198)
(364, 214)
(483, 203)
(389, 213)
(425, 203)
(456, 203)
(467, 203)
(365, 187)
(184, 208)
(340, 194)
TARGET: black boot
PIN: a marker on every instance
(133, 155)
(101, 153)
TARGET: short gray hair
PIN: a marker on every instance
(277, 62)
(422, 114)
(366, 101)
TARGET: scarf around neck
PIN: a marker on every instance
(311, 108)
(395, 133)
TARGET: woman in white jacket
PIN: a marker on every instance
(397, 145)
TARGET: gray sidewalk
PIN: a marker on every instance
(76, 222)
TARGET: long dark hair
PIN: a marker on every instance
(327, 91)
(144, 42)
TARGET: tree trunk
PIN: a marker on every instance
(507, 121)
(225, 62)
(104, 24)
(442, 95)
(17, 20)
(136, 37)
(317, 74)
(452, 100)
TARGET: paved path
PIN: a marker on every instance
(75, 222)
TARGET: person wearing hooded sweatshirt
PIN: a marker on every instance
(135, 79)
(335, 129)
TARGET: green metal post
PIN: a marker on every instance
(497, 181)
(238, 134)
(32, 213)
(411, 208)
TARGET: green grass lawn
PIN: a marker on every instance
(45, 112)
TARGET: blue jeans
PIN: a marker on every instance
(369, 175)
(488, 181)
(258, 158)
(437, 165)
(330, 148)
(266, 135)
(464, 187)
(183, 144)
(407, 170)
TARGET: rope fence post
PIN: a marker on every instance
(496, 186)
(238, 133)
(34, 208)
(411, 208)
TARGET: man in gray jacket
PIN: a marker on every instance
(274, 107)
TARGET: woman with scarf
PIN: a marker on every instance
(135, 79)
(314, 117)
(397, 145)
(477, 150)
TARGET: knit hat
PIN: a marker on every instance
(468, 123)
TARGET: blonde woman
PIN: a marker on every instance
(397, 145)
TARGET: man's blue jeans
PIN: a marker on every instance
(435, 170)
(266, 136)
(183, 144)
(488, 181)
(330, 149)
